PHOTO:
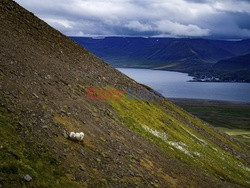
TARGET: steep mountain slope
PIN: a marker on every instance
(128, 143)
(165, 53)
(237, 67)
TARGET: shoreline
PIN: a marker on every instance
(209, 102)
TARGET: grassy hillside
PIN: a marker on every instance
(176, 137)
(43, 80)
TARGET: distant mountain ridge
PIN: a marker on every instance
(194, 56)
(165, 53)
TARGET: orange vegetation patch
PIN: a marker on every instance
(150, 166)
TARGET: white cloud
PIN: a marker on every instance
(167, 27)
(60, 23)
(137, 26)
(233, 6)
(139, 17)
(174, 28)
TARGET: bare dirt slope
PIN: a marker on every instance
(43, 81)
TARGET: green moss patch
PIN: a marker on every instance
(179, 140)
(18, 158)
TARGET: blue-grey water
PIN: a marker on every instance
(176, 85)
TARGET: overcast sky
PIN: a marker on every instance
(221, 19)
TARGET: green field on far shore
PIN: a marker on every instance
(232, 118)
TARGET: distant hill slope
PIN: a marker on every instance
(165, 53)
(128, 143)
(235, 63)
(237, 66)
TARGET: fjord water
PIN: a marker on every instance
(176, 85)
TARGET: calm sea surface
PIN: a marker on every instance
(176, 85)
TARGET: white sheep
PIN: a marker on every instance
(76, 136)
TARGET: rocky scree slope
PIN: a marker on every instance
(43, 81)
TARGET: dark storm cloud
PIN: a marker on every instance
(172, 18)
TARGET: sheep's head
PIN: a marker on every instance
(81, 135)
(72, 135)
